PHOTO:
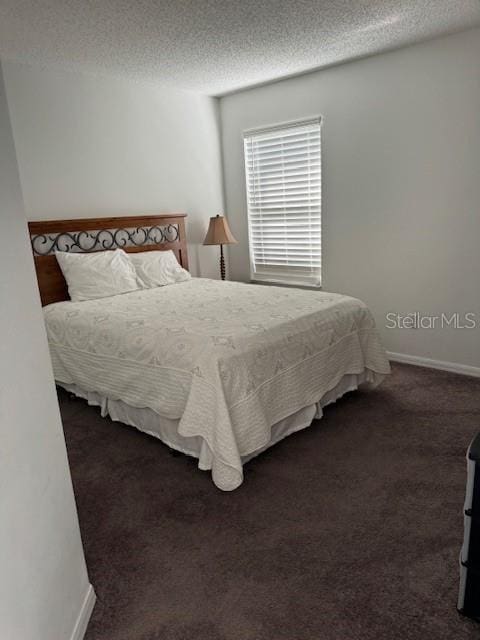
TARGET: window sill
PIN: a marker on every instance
(289, 285)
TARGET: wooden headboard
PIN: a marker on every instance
(130, 233)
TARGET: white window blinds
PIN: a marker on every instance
(283, 174)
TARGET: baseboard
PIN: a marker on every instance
(84, 615)
(418, 361)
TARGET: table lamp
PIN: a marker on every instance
(219, 233)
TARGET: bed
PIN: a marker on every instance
(218, 370)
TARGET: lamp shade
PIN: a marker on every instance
(219, 232)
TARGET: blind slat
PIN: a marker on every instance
(264, 158)
(294, 166)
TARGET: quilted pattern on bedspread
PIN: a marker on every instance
(228, 359)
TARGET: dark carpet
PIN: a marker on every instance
(349, 530)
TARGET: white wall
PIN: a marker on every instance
(401, 199)
(43, 580)
(98, 146)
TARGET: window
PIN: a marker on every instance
(283, 175)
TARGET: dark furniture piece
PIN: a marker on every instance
(469, 596)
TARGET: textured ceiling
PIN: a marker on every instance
(215, 46)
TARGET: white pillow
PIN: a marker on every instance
(97, 275)
(157, 268)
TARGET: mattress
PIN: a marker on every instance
(226, 360)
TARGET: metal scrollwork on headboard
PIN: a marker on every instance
(45, 244)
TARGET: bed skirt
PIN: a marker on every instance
(166, 429)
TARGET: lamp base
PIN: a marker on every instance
(222, 263)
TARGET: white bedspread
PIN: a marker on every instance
(227, 359)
